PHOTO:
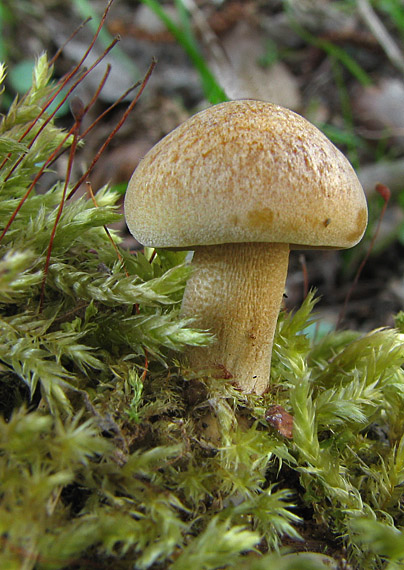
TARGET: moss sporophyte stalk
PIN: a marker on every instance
(114, 453)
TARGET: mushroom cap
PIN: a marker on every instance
(245, 171)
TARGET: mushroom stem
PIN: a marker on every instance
(235, 291)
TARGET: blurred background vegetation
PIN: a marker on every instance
(339, 63)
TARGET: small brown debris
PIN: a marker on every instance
(281, 420)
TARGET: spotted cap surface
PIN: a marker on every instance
(246, 171)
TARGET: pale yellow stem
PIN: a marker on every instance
(235, 291)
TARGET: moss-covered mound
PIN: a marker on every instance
(114, 455)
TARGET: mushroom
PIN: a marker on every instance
(241, 183)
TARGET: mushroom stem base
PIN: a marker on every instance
(235, 292)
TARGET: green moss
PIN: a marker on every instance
(114, 455)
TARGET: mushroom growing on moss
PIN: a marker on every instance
(241, 184)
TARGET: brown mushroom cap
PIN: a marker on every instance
(246, 171)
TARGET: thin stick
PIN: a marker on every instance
(146, 367)
(381, 34)
(73, 35)
(56, 153)
(114, 130)
(104, 113)
(79, 114)
(62, 84)
(90, 191)
(35, 180)
(385, 193)
(50, 117)
(302, 261)
(111, 107)
(86, 109)
(74, 70)
(99, 89)
(50, 101)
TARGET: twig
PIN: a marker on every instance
(102, 115)
(54, 156)
(114, 130)
(381, 34)
(61, 85)
(385, 193)
(78, 113)
(62, 47)
(302, 261)
(90, 191)
(77, 67)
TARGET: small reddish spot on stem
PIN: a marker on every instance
(223, 372)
